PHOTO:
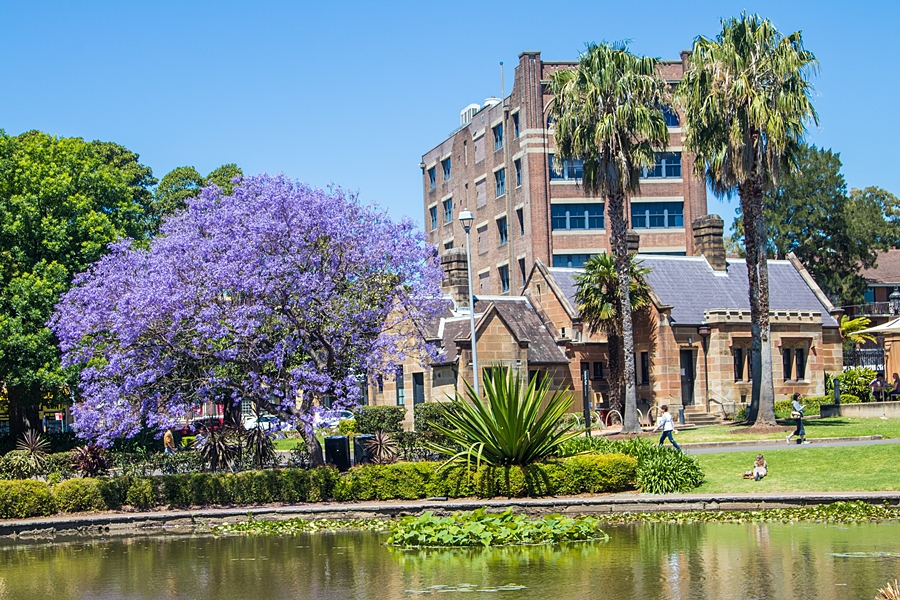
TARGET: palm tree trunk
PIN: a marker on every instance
(614, 353)
(615, 207)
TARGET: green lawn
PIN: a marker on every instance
(806, 468)
(815, 428)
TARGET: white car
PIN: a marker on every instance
(331, 418)
(265, 422)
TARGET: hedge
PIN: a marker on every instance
(370, 419)
(21, 499)
(783, 408)
(590, 473)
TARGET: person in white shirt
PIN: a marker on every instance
(667, 425)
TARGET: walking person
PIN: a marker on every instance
(797, 415)
(169, 441)
(667, 425)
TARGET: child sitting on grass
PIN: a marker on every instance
(760, 469)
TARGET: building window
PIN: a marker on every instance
(571, 261)
(800, 361)
(500, 182)
(787, 363)
(401, 393)
(645, 368)
(482, 233)
(740, 361)
(432, 178)
(501, 230)
(448, 245)
(498, 137)
(484, 283)
(657, 215)
(379, 381)
(571, 170)
(668, 165)
(445, 165)
(520, 215)
(448, 211)
(670, 116)
(577, 216)
(516, 126)
(518, 164)
(432, 213)
(504, 278)
(522, 271)
(598, 370)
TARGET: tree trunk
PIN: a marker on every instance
(316, 456)
(614, 354)
(750, 240)
(22, 415)
(618, 227)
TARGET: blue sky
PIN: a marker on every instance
(355, 92)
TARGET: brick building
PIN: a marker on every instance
(698, 323)
(499, 164)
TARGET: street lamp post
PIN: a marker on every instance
(466, 217)
(703, 331)
(894, 301)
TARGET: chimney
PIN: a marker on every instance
(709, 241)
(633, 241)
(456, 275)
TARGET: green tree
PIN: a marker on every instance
(851, 328)
(599, 302)
(608, 112)
(834, 235)
(746, 100)
(62, 201)
(182, 183)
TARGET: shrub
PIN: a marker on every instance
(142, 493)
(22, 499)
(15, 465)
(347, 427)
(669, 471)
(856, 382)
(77, 495)
(60, 464)
(91, 460)
(596, 473)
(370, 419)
(850, 399)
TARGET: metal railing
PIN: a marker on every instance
(872, 358)
(873, 309)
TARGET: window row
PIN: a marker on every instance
(657, 215)
(577, 216)
(571, 261)
(793, 363)
(668, 165)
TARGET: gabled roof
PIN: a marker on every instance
(886, 269)
(691, 286)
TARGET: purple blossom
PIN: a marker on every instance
(274, 293)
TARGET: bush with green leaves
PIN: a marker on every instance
(22, 499)
(855, 381)
(142, 493)
(669, 471)
(513, 425)
(79, 495)
(370, 419)
(347, 427)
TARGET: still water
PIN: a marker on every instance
(651, 561)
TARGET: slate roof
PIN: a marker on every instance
(886, 270)
(691, 286)
(519, 315)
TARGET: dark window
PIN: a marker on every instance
(786, 362)
(448, 245)
(572, 261)
(516, 125)
(518, 165)
(577, 216)
(670, 116)
(379, 380)
(571, 170)
(504, 278)
(520, 215)
(800, 359)
(498, 137)
(657, 215)
(668, 165)
(500, 182)
(432, 213)
(738, 354)
(645, 368)
(598, 370)
(522, 270)
(401, 393)
(501, 230)
(432, 178)
(445, 164)
(448, 210)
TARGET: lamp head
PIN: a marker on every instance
(466, 217)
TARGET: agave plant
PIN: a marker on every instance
(259, 446)
(508, 427)
(91, 460)
(33, 447)
(382, 447)
(218, 449)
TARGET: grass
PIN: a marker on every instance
(815, 428)
(805, 469)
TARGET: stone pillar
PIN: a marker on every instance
(709, 240)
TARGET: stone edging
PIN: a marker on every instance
(187, 521)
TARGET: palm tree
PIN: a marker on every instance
(598, 301)
(608, 113)
(746, 101)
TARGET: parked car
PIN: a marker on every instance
(331, 418)
(208, 423)
(265, 422)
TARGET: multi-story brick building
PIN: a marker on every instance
(499, 165)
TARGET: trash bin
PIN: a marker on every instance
(361, 454)
(681, 416)
(337, 452)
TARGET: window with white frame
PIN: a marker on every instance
(516, 132)
(576, 216)
(569, 170)
(500, 181)
(445, 165)
(670, 116)
(432, 178)
(401, 391)
(520, 217)
(668, 165)
(448, 211)
(572, 261)
(503, 271)
(502, 230)
(522, 274)
(518, 165)
(432, 213)
(657, 215)
(498, 137)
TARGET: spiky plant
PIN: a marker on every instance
(34, 449)
(91, 460)
(889, 592)
(509, 426)
(259, 446)
(218, 449)
(382, 447)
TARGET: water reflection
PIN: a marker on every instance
(696, 562)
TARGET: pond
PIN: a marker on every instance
(647, 561)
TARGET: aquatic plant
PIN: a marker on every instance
(298, 526)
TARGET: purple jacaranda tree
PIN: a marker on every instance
(278, 294)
